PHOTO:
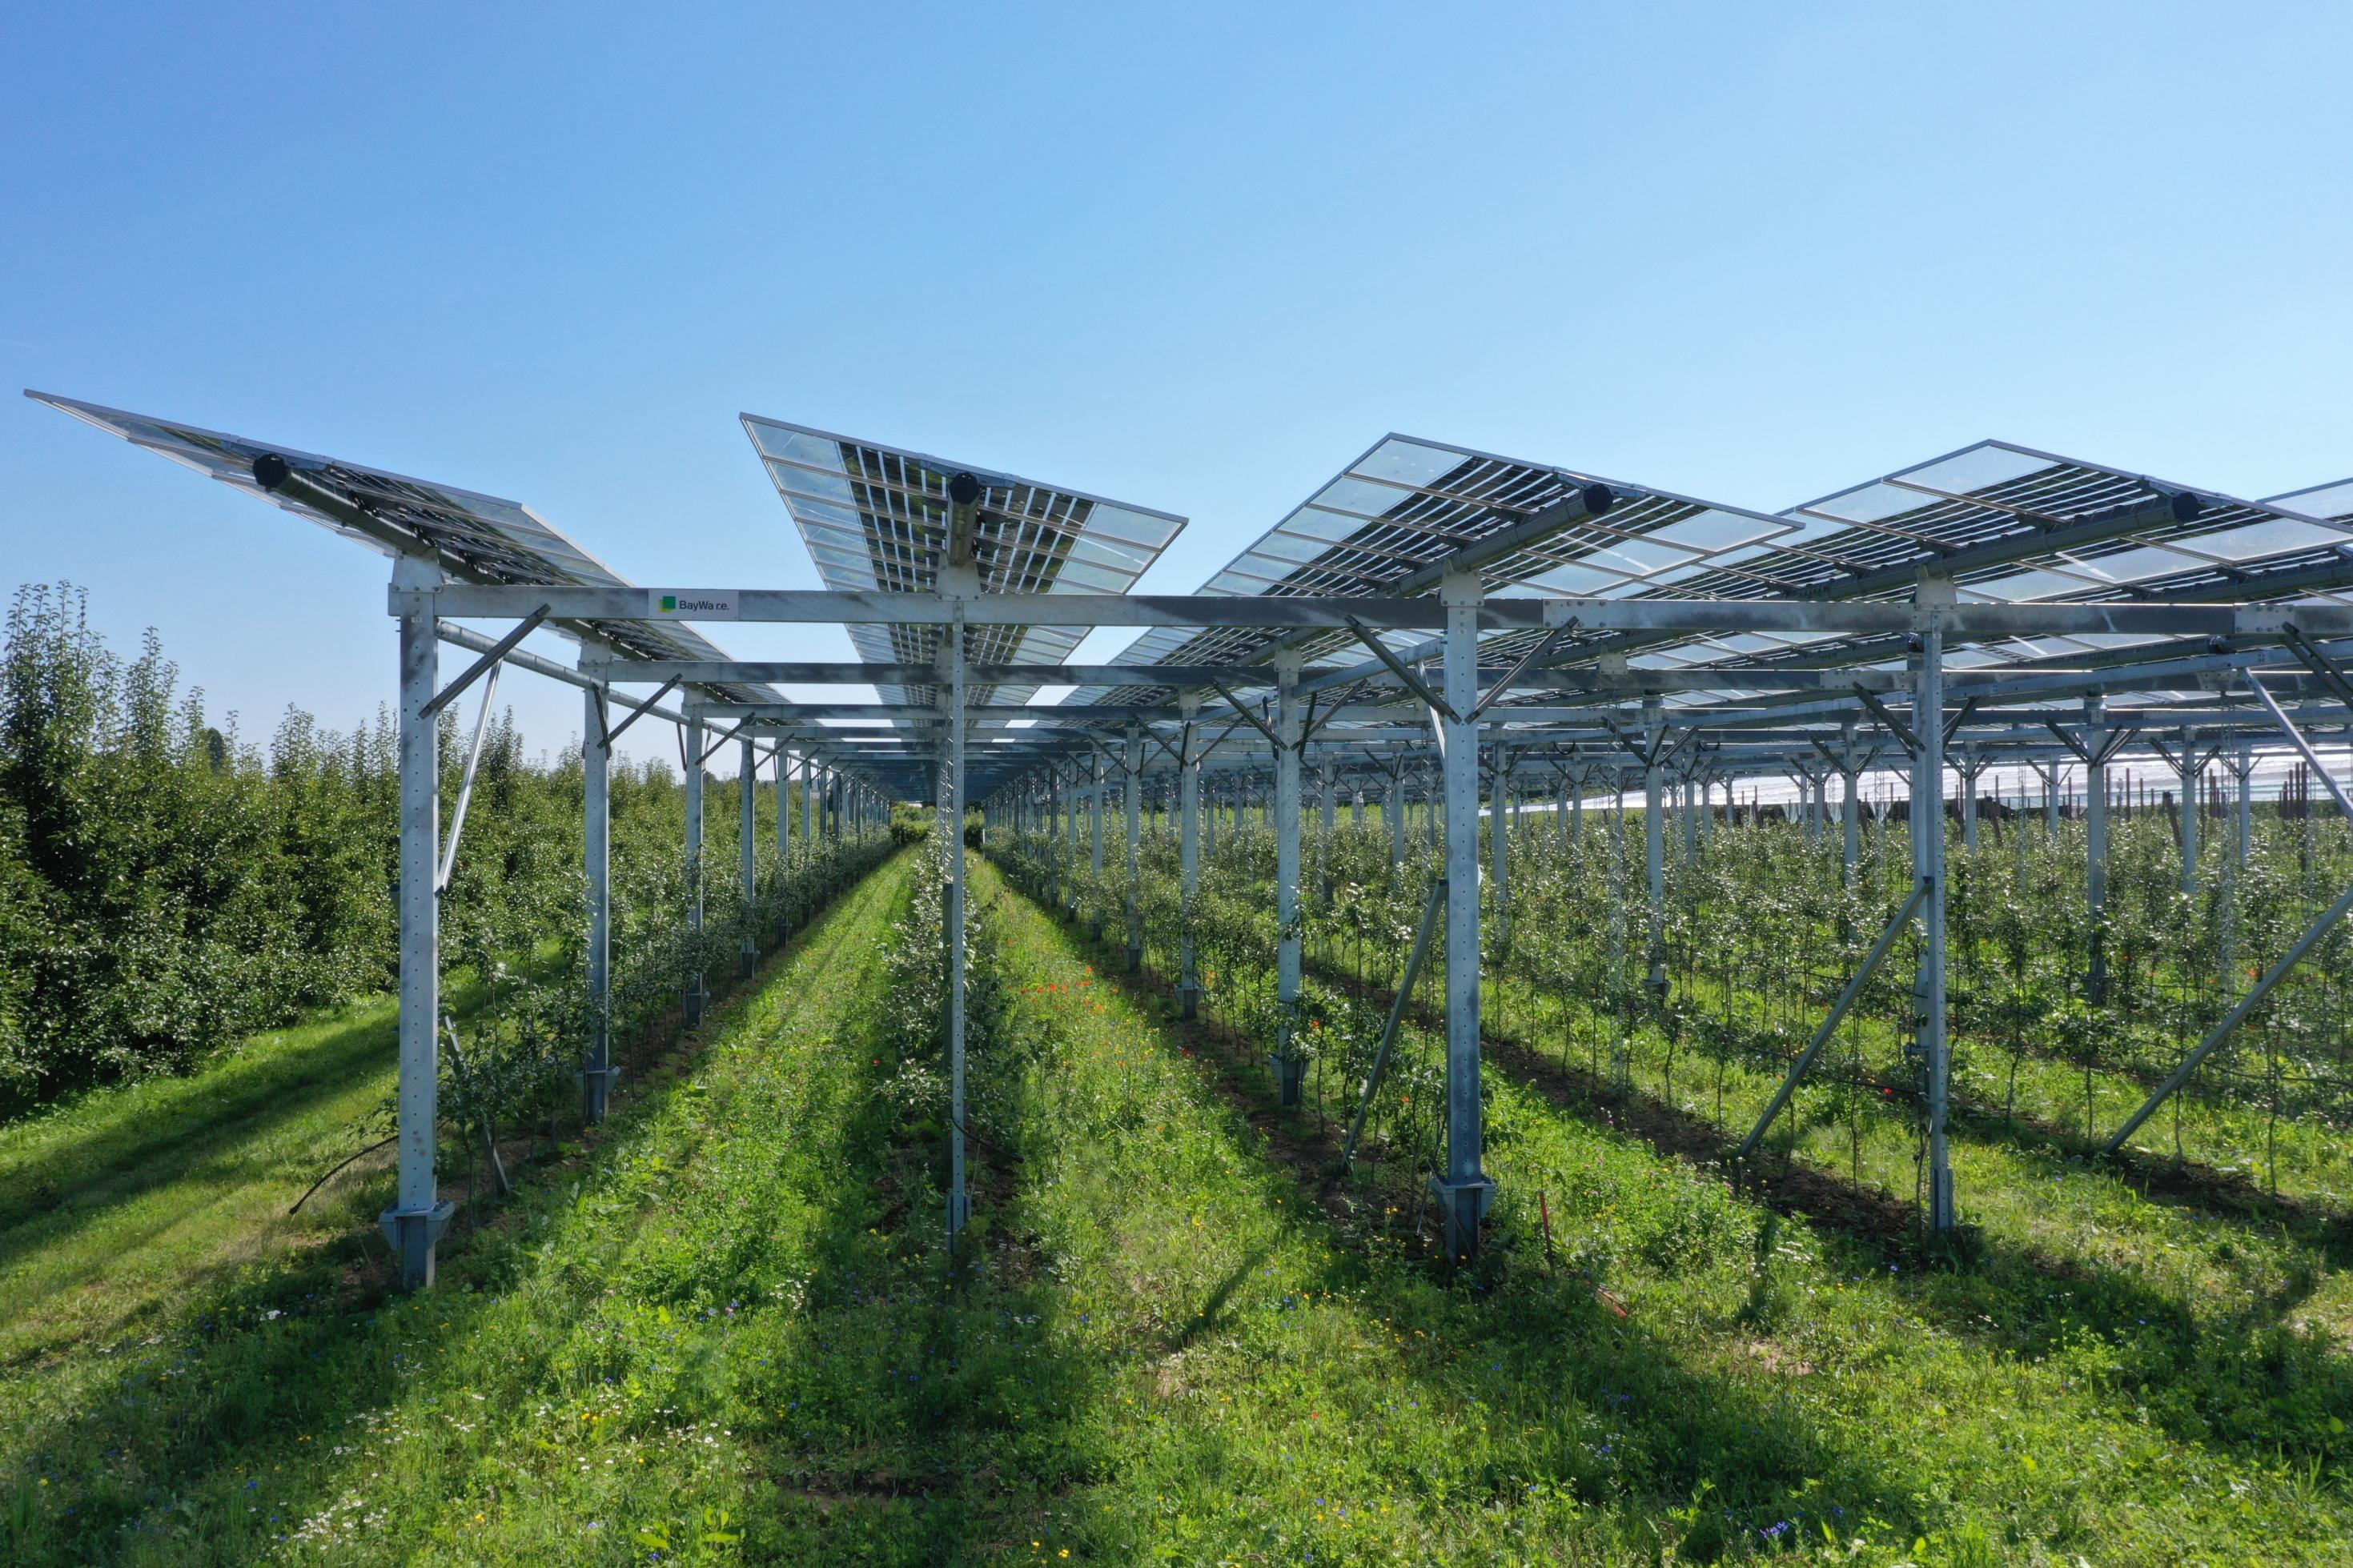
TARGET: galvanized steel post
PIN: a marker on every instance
(1290, 1067)
(1499, 839)
(1095, 823)
(951, 847)
(692, 997)
(1463, 1188)
(596, 865)
(2189, 772)
(1928, 832)
(1188, 854)
(1134, 839)
(1654, 846)
(748, 771)
(413, 1223)
(2095, 840)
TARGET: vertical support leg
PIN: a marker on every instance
(692, 994)
(1463, 1188)
(1393, 809)
(2190, 804)
(2096, 854)
(784, 847)
(597, 861)
(1189, 853)
(2242, 770)
(1654, 853)
(415, 1222)
(1499, 840)
(1078, 799)
(1290, 1067)
(1928, 830)
(1851, 811)
(951, 847)
(747, 768)
(1095, 820)
(1326, 821)
(1134, 839)
(1969, 767)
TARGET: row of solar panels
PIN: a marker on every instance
(2011, 523)
(2045, 528)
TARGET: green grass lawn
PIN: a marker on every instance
(728, 1331)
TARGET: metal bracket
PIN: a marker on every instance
(1887, 716)
(2319, 663)
(1263, 728)
(713, 750)
(1526, 660)
(637, 711)
(2303, 747)
(489, 660)
(1398, 667)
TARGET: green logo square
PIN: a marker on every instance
(670, 603)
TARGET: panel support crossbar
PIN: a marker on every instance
(489, 661)
(466, 786)
(1846, 1000)
(2222, 1031)
(1430, 905)
(2304, 749)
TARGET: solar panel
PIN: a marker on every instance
(877, 518)
(1394, 516)
(1999, 500)
(479, 538)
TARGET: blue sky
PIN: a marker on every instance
(1196, 259)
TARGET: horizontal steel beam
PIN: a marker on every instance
(473, 601)
(822, 673)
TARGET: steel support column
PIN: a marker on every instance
(691, 996)
(595, 865)
(1095, 823)
(1929, 837)
(1289, 1067)
(1189, 853)
(1134, 841)
(1499, 840)
(2095, 841)
(2189, 771)
(951, 847)
(1851, 810)
(415, 1222)
(1655, 847)
(1463, 1188)
(1393, 808)
(747, 770)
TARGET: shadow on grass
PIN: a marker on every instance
(2247, 1381)
(147, 1450)
(1566, 1393)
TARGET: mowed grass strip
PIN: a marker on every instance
(573, 1389)
(1279, 1390)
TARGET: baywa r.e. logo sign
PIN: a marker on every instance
(694, 606)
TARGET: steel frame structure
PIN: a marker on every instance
(1433, 611)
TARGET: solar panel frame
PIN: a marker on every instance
(478, 537)
(1437, 511)
(876, 518)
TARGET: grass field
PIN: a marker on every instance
(725, 1330)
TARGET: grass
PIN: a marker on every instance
(1775, 1388)
(728, 1329)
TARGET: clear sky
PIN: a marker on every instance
(1196, 258)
